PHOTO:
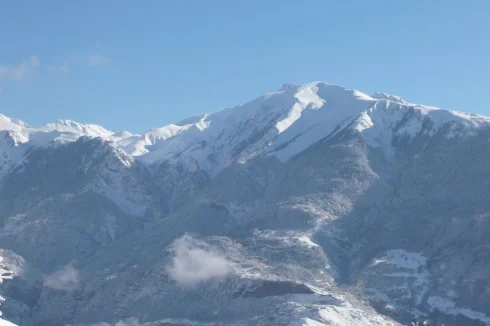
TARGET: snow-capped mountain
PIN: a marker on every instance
(282, 124)
(311, 205)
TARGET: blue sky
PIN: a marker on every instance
(140, 64)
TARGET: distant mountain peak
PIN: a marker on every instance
(76, 127)
(7, 123)
(393, 98)
(122, 134)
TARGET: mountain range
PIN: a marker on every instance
(312, 205)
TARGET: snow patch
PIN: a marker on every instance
(448, 307)
(4, 322)
(306, 322)
(5, 274)
(342, 316)
(402, 259)
(306, 98)
(307, 241)
(410, 278)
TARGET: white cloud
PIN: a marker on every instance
(97, 60)
(195, 262)
(65, 279)
(19, 71)
(65, 67)
(92, 60)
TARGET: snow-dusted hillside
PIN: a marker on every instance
(311, 205)
(5, 274)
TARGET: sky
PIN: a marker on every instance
(134, 65)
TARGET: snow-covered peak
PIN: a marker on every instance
(393, 98)
(155, 134)
(286, 122)
(152, 138)
(59, 131)
(89, 130)
(63, 131)
(13, 133)
(281, 124)
(387, 120)
(17, 125)
(13, 138)
(191, 120)
(122, 134)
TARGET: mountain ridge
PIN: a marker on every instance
(319, 205)
(301, 116)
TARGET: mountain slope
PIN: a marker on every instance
(312, 205)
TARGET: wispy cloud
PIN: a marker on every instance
(97, 60)
(19, 71)
(65, 279)
(195, 262)
(64, 67)
(91, 60)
